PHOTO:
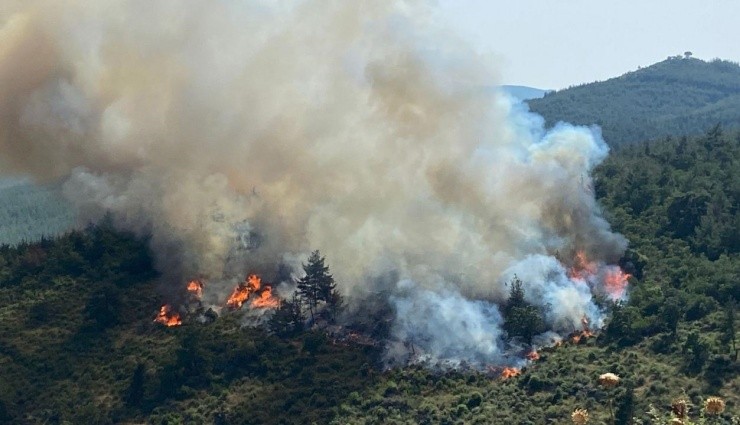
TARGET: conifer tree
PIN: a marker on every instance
(522, 319)
(318, 286)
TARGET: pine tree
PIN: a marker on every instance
(318, 285)
(522, 318)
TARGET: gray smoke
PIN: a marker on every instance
(242, 133)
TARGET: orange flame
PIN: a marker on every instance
(254, 282)
(616, 281)
(582, 267)
(578, 336)
(168, 317)
(195, 287)
(532, 355)
(266, 300)
(252, 285)
(238, 297)
(510, 372)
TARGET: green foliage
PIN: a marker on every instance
(317, 288)
(522, 319)
(76, 318)
(679, 96)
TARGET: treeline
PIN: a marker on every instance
(677, 202)
(678, 96)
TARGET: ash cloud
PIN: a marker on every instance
(239, 134)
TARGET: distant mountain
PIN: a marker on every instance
(678, 96)
(524, 92)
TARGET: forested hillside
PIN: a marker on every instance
(679, 96)
(28, 212)
(79, 346)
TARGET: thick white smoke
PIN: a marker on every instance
(241, 133)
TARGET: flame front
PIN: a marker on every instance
(253, 286)
(168, 317)
(613, 278)
(532, 355)
(510, 372)
(582, 268)
(265, 299)
(576, 337)
(195, 288)
(615, 282)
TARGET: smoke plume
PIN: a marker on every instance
(243, 134)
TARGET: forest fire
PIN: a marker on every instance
(510, 372)
(252, 285)
(168, 317)
(532, 355)
(265, 299)
(576, 337)
(243, 291)
(582, 268)
(616, 281)
(195, 288)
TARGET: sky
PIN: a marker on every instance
(553, 44)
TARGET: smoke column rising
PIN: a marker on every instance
(241, 134)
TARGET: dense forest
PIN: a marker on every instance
(676, 97)
(29, 212)
(78, 343)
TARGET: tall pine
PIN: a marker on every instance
(317, 285)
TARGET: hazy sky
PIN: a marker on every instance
(556, 43)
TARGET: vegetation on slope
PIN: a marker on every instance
(679, 96)
(78, 343)
(677, 202)
(78, 346)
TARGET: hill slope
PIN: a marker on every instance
(77, 333)
(673, 97)
(29, 212)
(524, 92)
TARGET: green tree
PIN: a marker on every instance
(317, 285)
(696, 353)
(135, 390)
(626, 407)
(729, 328)
(522, 319)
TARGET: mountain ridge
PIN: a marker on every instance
(678, 96)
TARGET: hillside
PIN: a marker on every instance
(677, 97)
(29, 212)
(524, 92)
(79, 345)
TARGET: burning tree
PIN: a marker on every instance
(318, 286)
